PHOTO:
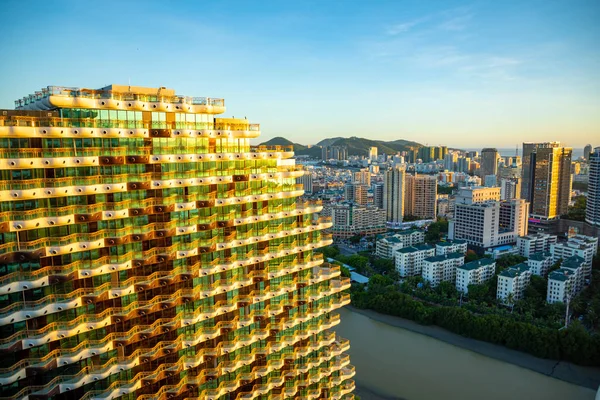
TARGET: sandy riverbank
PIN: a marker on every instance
(583, 376)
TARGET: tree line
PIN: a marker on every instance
(573, 344)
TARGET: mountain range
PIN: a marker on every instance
(356, 146)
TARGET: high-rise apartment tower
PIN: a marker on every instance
(489, 162)
(546, 181)
(420, 196)
(592, 211)
(393, 194)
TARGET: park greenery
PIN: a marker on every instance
(441, 189)
(576, 212)
(530, 324)
(436, 230)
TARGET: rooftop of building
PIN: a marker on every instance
(573, 262)
(536, 236)
(415, 248)
(561, 274)
(449, 243)
(583, 239)
(515, 270)
(449, 256)
(117, 92)
(540, 256)
(484, 262)
(404, 232)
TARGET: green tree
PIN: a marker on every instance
(436, 229)
(478, 292)
(447, 290)
(330, 251)
(471, 256)
(508, 260)
(345, 271)
(355, 239)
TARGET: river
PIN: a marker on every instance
(395, 363)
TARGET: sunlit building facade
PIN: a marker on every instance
(147, 251)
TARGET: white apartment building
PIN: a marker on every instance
(409, 260)
(386, 247)
(474, 273)
(565, 282)
(482, 220)
(535, 243)
(513, 280)
(540, 263)
(411, 236)
(451, 246)
(585, 247)
(439, 269)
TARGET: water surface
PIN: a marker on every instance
(398, 363)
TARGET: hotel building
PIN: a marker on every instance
(483, 220)
(147, 251)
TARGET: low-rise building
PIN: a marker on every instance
(565, 282)
(450, 246)
(535, 243)
(439, 269)
(350, 220)
(474, 273)
(409, 260)
(500, 251)
(540, 263)
(512, 283)
(410, 237)
(585, 247)
(386, 247)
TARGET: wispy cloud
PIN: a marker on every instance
(406, 26)
(458, 23)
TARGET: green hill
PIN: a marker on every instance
(299, 149)
(356, 146)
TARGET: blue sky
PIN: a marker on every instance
(468, 74)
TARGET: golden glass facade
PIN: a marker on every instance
(148, 251)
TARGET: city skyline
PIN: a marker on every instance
(466, 74)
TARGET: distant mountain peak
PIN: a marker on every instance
(356, 146)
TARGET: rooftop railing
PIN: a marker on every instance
(109, 94)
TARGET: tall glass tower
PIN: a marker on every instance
(147, 251)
